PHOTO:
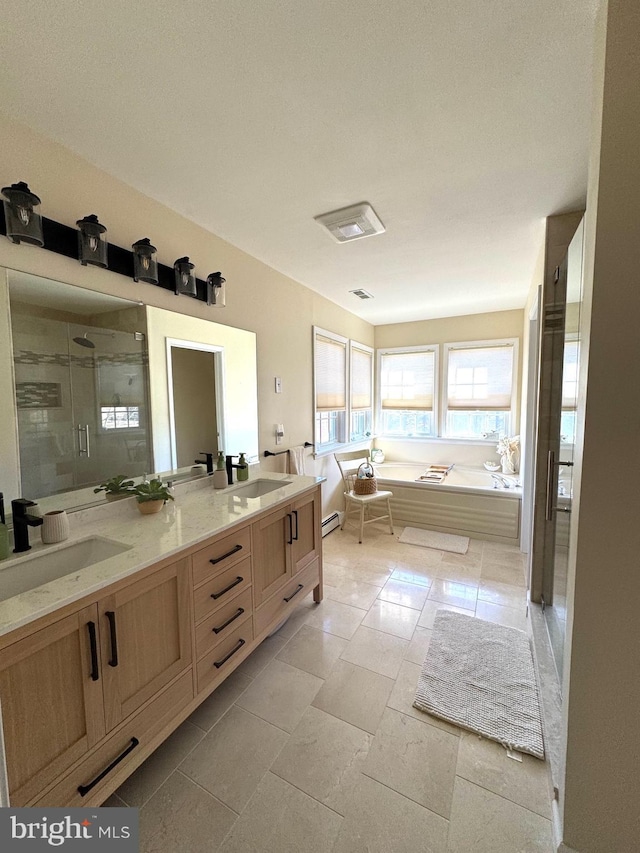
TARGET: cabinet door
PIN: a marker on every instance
(145, 631)
(306, 530)
(51, 694)
(272, 537)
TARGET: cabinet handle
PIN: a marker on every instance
(216, 595)
(234, 550)
(290, 540)
(236, 648)
(111, 616)
(293, 594)
(83, 790)
(95, 672)
(295, 512)
(231, 619)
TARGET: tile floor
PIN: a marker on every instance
(312, 744)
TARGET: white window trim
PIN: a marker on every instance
(435, 348)
(491, 342)
(357, 345)
(330, 448)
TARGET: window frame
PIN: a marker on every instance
(343, 422)
(350, 408)
(436, 389)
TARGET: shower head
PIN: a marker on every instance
(84, 342)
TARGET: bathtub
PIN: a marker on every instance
(465, 503)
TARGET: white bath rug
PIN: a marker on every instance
(433, 539)
(480, 676)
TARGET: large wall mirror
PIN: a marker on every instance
(101, 386)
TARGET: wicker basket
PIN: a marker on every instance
(364, 485)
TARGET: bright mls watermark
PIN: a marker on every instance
(102, 830)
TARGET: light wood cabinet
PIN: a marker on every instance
(307, 527)
(272, 538)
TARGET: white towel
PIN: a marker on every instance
(296, 459)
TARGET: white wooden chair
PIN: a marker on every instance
(348, 463)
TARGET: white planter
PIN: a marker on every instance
(55, 527)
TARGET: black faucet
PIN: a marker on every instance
(231, 466)
(22, 521)
(208, 461)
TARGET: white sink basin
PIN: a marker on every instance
(258, 488)
(33, 570)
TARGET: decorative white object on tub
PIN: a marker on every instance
(508, 448)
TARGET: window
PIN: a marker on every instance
(570, 363)
(330, 379)
(361, 390)
(480, 389)
(407, 391)
(120, 417)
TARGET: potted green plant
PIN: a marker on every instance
(116, 487)
(152, 496)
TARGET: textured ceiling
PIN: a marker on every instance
(463, 123)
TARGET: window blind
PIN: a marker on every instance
(407, 380)
(570, 375)
(480, 378)
(361, 375)
(330, 374)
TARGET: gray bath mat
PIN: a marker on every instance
(433, 539)
(481, 677)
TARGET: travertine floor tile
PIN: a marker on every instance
(523, 782)
(323, 758)
(280, 694)
(313, 650)
(496, 571)
(404, 594)
(297, 618)
(336, 618)
(383, 821)
(218, 703)
(417, 575)
(374, 650)
(234, 756)
(451, 592)
(417, 649)
(182, 816)
(146, 780)
(258, 659)
(510, 616)
(430, 609)
(392, 619)
(495, 592)
(353, 592)
(282, 819)
(404, 692)
(483, 822)
(415, 760)
(355, 695)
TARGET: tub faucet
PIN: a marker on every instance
(208, 461)
(498, 479)
(22, 521)
(231, 466)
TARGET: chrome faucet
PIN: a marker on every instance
(499, 479)
(22, 521)
(231, 466)
(208, 461)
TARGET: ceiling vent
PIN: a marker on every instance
(362, 294)
(351, 223)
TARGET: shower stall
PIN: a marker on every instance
(82, 403)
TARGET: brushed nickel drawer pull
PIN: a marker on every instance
(234, 550)
(231, 619)
(219, 663)
(83, 790)
(293, 594)
(217, 595)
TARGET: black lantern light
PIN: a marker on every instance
(145, 265)
(91, 248)
(185, 279)
(216, 289)
(24, 225)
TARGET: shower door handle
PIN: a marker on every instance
(86, 450)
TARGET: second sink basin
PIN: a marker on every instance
(258, 488)
(33, 570)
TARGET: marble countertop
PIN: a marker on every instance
(198, 512)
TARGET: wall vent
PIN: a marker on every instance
(362, 294)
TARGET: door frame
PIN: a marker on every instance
(531, 428)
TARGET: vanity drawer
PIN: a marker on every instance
(276, 608)
(226, 654)
(224, 586)
(222, 622)
(128, 744)
(221, 554)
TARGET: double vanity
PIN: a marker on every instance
(111, 639)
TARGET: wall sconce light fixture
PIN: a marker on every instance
(216, 294)
(92, 249)
(185, 279)
(23, 224)
(145, 265)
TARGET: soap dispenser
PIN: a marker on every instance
(243, 468)
(220, 474)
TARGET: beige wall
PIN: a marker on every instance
(260, 299)
(602, 684)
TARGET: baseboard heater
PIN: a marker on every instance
(331, 522)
